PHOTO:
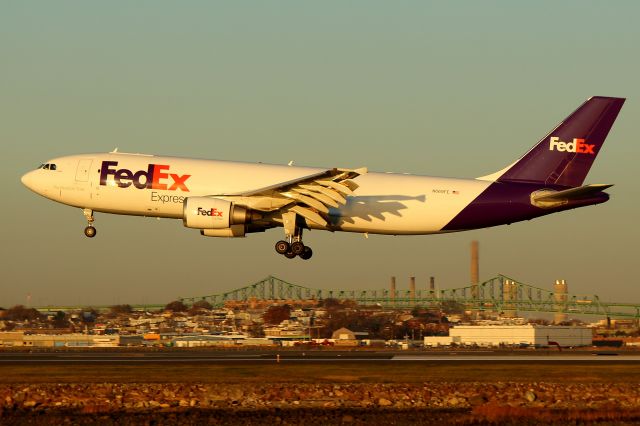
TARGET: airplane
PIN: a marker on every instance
(233, 199)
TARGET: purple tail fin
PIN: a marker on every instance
(566, 154)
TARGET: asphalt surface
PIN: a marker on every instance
(257, 356)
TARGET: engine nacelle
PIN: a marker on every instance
(212, 213)
(234, 231)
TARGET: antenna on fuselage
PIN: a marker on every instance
(115, 150)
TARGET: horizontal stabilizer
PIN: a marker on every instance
(549, 198)
(572, 193)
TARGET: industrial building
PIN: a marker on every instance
(19, 339)
(512, 335)
(220, 340)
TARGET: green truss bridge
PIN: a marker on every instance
(501, 294)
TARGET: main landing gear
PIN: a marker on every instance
(292, 245)
(90, 230)
(293, 249)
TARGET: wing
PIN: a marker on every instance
(309, 196)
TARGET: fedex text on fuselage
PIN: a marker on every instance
(152, 178)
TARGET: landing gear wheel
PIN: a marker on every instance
(90, 231)
(282, 247)
(307, 253)
(289, 255)
(297, 248)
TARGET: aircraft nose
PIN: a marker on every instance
(28, 180)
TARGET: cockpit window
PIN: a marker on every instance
(52, 167)
(48, 166)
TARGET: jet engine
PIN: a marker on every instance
(213, 213)
(234, 231)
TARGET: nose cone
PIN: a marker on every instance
(29, 180)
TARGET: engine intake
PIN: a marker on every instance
(213, 213)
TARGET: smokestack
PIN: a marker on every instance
(560, 290)
(432, 283)
(412, 288)
(475, 268)
(392, 290)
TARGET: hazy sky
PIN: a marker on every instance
(436, 88)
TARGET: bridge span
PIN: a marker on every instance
(498, 294)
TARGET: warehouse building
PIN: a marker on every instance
(19, 339)
(513, 335)
(220, 340)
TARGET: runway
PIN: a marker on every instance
(213, 357)
(316, 366)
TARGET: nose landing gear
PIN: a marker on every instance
(90, 230)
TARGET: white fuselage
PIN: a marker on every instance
(384, 203)
(232, 199)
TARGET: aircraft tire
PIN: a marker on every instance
(282, 247)
(90, 231)
(289, 255)
(297, 248)
(307, 253)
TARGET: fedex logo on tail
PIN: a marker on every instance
(578, 146)
(156, 176)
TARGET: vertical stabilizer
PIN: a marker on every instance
(565, 155)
